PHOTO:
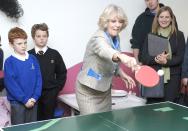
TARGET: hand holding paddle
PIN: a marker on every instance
(145, 75)
(128, 61)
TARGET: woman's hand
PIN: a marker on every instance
(185, 81)
(162, 58)
(128, 61)
(129, 82)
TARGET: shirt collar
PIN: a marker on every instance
(44, 49)
(22, 58)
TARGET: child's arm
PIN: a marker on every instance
(38, 87)
(61, 72)
(11, 85)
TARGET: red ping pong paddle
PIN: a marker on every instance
(147, 76)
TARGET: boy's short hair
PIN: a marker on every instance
(42, 26)
(16, 33)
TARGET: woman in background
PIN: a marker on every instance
(164, 25)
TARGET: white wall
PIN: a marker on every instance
(72, 22)
(179, 8)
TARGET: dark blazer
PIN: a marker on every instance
(185, 63)
(177, 43)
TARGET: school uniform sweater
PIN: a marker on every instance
(22, 79)
(52, 68)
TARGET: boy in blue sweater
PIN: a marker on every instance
(22, 78)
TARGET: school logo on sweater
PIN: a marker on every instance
(32, 66)
(52, 61)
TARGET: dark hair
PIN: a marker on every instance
(11, 8)
(42, 26)
(16, 33)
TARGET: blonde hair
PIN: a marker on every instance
(155, 25)
(108, 12)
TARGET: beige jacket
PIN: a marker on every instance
(98, 68)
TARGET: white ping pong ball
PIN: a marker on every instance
(160, 72)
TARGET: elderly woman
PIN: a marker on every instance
(101, 63)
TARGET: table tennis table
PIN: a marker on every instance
(120, 102)
(165, 116)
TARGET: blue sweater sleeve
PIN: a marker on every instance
(11, 84)
(38, 85)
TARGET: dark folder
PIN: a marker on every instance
(157, 44)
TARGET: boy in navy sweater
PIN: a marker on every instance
(52, 68)
(22, 79)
